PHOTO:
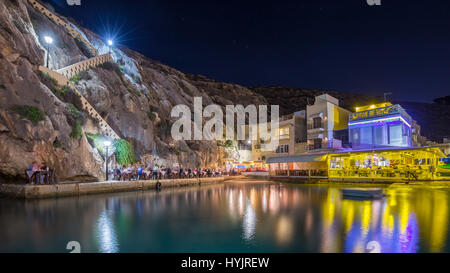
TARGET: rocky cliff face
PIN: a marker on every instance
(134, 95)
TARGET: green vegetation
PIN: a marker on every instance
(74, 118)
(445, 166)
(60, 92)
(123, 150)
(228, 144)
(75, 111)
(2, 86)
(31, 113)
(75, 79)
(77, 131)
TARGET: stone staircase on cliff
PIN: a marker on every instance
(62, 76)
(71, 30)
(63, 80)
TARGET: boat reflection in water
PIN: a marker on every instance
(232, 217)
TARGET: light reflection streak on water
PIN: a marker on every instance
(264, 201)
(249, 222)
(284, 230)
(106, 234)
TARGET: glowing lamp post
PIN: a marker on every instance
(107, 144)
(110, 44)
(49, 41)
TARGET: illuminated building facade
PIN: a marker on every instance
(416, 164)
(382, 164)
(327, 124)
(380, 125)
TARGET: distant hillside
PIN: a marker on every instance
(434, 118)
(293, 99)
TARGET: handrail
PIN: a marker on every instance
(72, 31)
(76, 68)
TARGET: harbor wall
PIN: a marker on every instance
(76, 189)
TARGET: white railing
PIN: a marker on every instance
(74, 69)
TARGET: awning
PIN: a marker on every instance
(295, 158)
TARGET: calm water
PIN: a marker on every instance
(232, 217)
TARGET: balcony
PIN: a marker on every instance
(316, 128)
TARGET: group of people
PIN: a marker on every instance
(149, 172)
(38, 173)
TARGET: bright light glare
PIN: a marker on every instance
(107, 143)
(48, 39)
(110, 42)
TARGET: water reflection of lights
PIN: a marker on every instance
(106, 234)
(241, 203)
(264, 201)
(274, 200)
(249, 222)
(284, 230)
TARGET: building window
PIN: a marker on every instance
(355, 136)
(378, 135)
(282, 149)
(395, 135)
(284, 133)
(317, 123)
(366, 135)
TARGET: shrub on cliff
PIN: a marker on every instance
(31, 113)
(123, 150)
(75, 119)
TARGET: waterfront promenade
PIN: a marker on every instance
(75, 188)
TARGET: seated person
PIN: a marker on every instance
(31, 171)
(148, 172)
(43, 171)
(128, 172)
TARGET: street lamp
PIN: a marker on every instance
(107, 143)
(110, 44)
(49, 41)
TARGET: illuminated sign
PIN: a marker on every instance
(375, 112)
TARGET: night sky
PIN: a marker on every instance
(401, 46)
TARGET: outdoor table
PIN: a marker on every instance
(39, 174)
